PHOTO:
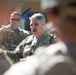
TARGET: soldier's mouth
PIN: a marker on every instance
(34, 30)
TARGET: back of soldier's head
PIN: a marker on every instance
(63, 15)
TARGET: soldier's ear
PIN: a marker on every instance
(43, 23)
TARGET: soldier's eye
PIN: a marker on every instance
(31, 24)
(36, 24)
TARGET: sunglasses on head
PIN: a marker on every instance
(13, 19)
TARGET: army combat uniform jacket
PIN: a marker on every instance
(9, 38)
(28, 46)
(57, 59)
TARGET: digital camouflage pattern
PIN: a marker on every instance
(9, 38)
(28, 46)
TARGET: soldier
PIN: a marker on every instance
(59, 58)
(62, 60)
(11, 35)
(38, 38)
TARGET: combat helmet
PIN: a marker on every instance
(54, 3)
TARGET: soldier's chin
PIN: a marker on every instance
(34, 33)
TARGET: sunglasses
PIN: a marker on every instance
(14, 19)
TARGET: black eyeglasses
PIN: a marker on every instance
(14, 19)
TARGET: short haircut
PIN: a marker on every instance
(39, 16)
(15, 13)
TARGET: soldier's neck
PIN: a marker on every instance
(41, 36)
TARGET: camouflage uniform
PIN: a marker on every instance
(57, 59)
(60, 61)
(28, 46)
(9, 38)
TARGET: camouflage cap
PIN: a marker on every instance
(54, 3)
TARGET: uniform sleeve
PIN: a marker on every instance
(17, 54)
(2, 39)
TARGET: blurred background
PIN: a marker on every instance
(25, 7)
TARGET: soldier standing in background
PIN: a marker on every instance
(11, 35)
(59, 58)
